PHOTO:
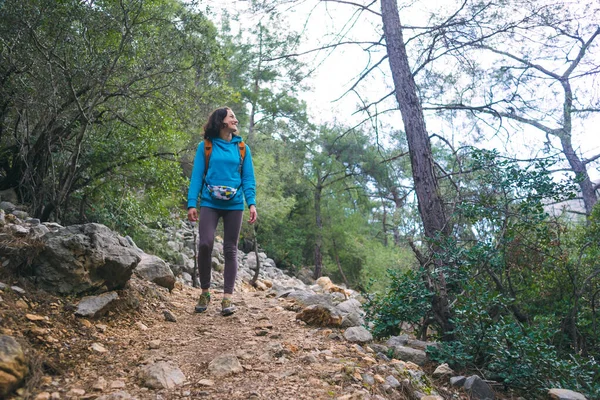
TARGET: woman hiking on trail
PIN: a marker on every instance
(223, 175)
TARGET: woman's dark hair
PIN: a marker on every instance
(215, 123)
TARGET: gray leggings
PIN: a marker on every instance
(232, 223)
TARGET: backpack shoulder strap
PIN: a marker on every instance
(207, 153)
(242, 148)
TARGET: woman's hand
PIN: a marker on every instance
(253, 214)
(192, 214)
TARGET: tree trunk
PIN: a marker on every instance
(430, 203)
(319, 234)
(339, 264)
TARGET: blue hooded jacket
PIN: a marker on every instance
(223, 169)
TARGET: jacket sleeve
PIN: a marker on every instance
(197, 176)
(248, 180)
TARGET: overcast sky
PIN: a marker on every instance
(336, 71)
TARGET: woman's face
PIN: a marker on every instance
(230, 122)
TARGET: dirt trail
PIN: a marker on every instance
(282, 358)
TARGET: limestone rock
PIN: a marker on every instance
(96, 306)
(82, 258)
(442, 370)
(7, 206)
(154, 269)
(403, 353)
(13, 366)
(458, 381)
(162, 375)
(358, 334)
(319, 315)
(565, 394)
(120, 395)
(225, 365)
(478, 389)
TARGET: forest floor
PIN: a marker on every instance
(282, 358)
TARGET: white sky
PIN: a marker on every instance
(337, 71)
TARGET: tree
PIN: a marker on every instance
(90, 90)
(333, 159)
(532, 64)
(431, 205)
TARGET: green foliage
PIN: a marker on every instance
(520, 281)
(406, 300)
(111, 89)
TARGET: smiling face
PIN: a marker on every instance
(230, 123)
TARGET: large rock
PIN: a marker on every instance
(162, 375)
(358, 334)
(416, 356)
(478, 389)
(225, 364)
(351, 312)
(154, 269)
(319, 315)
(84, 258)
(565, 394)
(13, 367)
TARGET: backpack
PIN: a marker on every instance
(208, 152)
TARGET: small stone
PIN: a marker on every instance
(378, 378)
(86, 323)
(458, 381)
(18, 290)
(154, 344)
(443, 370)
(98, 347)
(141, 326)
(43, 396)
(76, 392)
(393, 382)
(206, 382)
(33, 317)
(169, 316)
(117, 385)
(55, 396)
(22, 304)
(100, 384)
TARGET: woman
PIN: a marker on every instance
(220, 186)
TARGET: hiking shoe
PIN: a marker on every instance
(227, 307)
(203, 302)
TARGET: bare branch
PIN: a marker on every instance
(591, 159)
(329, 46)
(522, 61)
(362, 76)
(366, 8)
(582, 51)
(487, 109)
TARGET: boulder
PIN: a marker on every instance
(154, 269)
(565, 394)
(84, 258)
(13, 366)
(319, 315)
(225, 364)
(416, 356)
(478, 389)
(358, 334)
(162, 375)
(7, 206)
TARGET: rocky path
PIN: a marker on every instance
(271, 354)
